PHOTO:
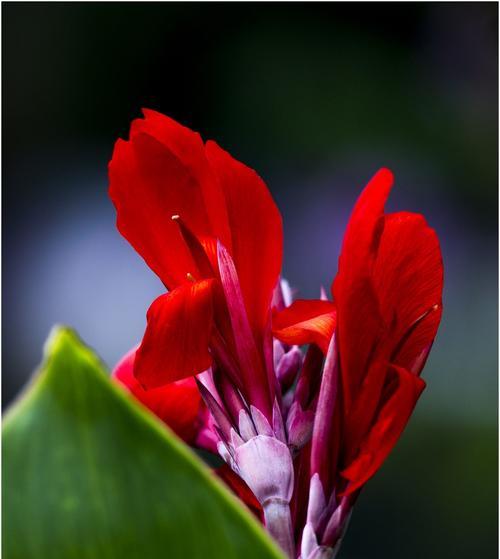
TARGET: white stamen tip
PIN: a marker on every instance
(175, 217)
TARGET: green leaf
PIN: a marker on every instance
(88, 473)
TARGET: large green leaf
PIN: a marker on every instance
(87, 473)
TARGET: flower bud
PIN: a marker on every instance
(265, 464)
(299, 425)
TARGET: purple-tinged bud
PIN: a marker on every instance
(222, 420)
(324, 429)
(309, 381)
(317, 502)
(246, 426)
(288, 367)
(310, 549)
(278, 352)
(258, 453)
(266, 466)
(309, 542)
(261, 423)
(287, 401)
(223, 450)
(299, 426)
(235, 440)
(338, 522)
(319, 542)
(315, 509)
(228, 395)
(278, 427)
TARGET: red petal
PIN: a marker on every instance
(360, 238)
(359, 320)
(178, 404)
(365, 406)
(408, 279)
(241, 489)
(388, 290)
(175, 344)
(360, 332)
(306, 322)
(162, 171)
(256, 233)
(387, 428)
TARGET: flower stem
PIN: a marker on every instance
(278, 523)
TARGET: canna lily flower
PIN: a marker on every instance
(387, 311)
(301, 433)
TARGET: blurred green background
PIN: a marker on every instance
(316, 97)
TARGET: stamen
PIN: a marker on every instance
(190, 277)
(195, 247)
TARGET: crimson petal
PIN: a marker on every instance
(359, 316)
(256, 233)
(408, 279)
(159, 172)
(175, 344)
(165, 170)
(404, 391)
(306, 322)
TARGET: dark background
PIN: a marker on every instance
(316, 97)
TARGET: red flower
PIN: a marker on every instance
(387, 310)
(176, 198)
(388, 297)
(301, 435)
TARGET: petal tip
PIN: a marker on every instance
(385, 174)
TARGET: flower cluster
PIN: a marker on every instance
(302, 399)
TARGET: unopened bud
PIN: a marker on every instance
(299, 426)
(265, 464)
(288, 367)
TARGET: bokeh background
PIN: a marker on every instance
(316, 97)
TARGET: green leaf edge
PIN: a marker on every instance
(65, 338)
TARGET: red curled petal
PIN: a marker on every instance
(177, 404)
(175, 344)
(403, 393)
(360, 321)
(159, 172)
(408, 279)
(360, 239)
(189, 149)
(256, 233)
(306, 322)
